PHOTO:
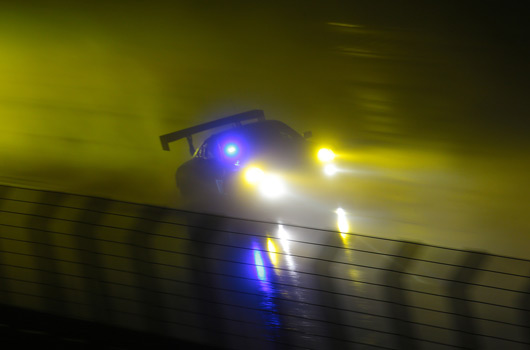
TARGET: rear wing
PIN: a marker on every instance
(187, 133)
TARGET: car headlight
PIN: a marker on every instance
(330, 169)
(271, 186)
(254, 175)
(325, 155)
(268, 185)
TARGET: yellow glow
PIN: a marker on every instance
(253, 175)
(325, 155)
(272, 252)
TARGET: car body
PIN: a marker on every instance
(254, 158)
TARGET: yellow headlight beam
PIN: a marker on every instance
(325, 155)
(254, 175)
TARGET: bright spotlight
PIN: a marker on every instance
(253, 175)
(330, 169)
(325, 155)
(271, 186)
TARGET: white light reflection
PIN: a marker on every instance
(330, 169)
(284, 241)
(342, 223)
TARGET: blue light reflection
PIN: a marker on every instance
(260, 269)
(268, 292)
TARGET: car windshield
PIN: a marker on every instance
(271, 134)
(269, 138)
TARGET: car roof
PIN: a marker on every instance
(256, 127)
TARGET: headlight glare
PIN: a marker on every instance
(330, 169)
(271, 186)
(253, 175)
(268, 185)
(325, 155)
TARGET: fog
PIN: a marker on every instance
(425, 104)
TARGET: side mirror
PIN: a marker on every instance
(307, 134)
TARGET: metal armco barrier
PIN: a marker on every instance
(227, 282)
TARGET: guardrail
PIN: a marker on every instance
(238, 283)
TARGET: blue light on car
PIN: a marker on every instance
(231, 150)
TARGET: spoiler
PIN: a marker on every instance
(188, 132)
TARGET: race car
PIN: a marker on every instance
(249, 156)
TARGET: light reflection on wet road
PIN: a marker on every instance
(314, 288)
(242, 283)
